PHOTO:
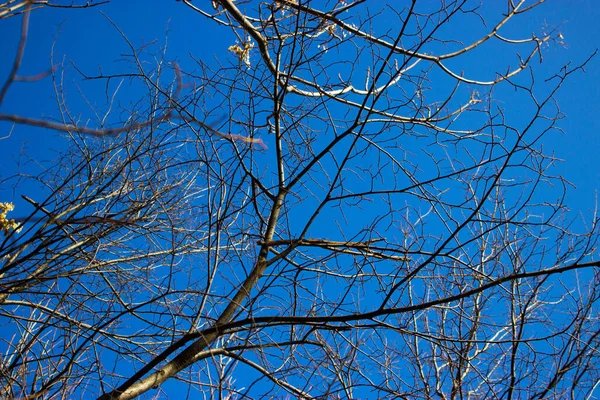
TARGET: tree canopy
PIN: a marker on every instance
(301, 198)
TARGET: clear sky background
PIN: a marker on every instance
(94, 45)
(87, 39)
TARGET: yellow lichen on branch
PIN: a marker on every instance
(6, 224)
(243, 52)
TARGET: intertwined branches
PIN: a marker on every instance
(367, 220)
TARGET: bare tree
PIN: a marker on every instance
(344, 205)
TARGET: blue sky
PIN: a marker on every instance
(87, 39)
(91, 42)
